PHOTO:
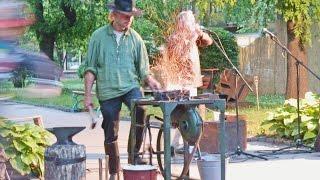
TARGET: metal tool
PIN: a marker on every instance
(93, 117)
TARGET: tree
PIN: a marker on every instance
(299, 16)
(65, 23)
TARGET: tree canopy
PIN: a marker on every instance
(64, 23)
(69, 23)
(299, 15)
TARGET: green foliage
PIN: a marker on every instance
(210, 10)
(20, 77)
(284, 120)
(70, 22)
(158, 18)
(256, 14)
(80, 71)
(302, 13)
(251, 16)
(212, 57)
(24, 144)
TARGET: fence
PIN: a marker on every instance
(265, 59)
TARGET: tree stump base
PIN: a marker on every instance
(65, 162)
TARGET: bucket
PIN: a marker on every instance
(209, 167)
(139, 172)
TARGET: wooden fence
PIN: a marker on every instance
(265, 59)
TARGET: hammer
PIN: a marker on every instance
(93, 117)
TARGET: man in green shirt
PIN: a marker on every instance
(117, 60)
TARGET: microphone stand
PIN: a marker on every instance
(299, 143)
(237, 73)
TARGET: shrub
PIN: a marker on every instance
(24, 145)
(80, 71)
(211, 56)
(20, 76)
(284, 121)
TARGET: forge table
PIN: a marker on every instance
(167, 107)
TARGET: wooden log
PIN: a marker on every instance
(65, 162)
(37, 120)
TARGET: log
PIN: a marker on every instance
(65, 162)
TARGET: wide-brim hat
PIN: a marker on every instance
(126, 7)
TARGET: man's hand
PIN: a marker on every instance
(153, 83)
(88, 101)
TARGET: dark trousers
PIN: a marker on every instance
(111, 115)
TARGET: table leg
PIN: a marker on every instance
(133, 130)
(167, 108)
(222, 144)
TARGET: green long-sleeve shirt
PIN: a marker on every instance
(117, 68)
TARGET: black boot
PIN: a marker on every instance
(140, 117)
(112, 150)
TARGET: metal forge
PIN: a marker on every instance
(188, 122)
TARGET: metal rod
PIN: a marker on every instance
(220, 47)
(133, 130)
(256, 83)
(299, 142)
(100, 168)
(298, 99)
(106, 170)
(167, 109)
(167, 150)
(222, 138)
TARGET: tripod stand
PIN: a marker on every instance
(237, 73)
(239, 150)
(299, 143)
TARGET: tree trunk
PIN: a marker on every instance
(299, 51)
(47, 44)
(65, 162)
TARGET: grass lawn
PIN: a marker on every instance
(255, 117)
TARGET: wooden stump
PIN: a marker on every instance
(65, 162)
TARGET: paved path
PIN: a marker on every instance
(289, 166)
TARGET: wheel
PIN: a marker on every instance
(177, 160)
